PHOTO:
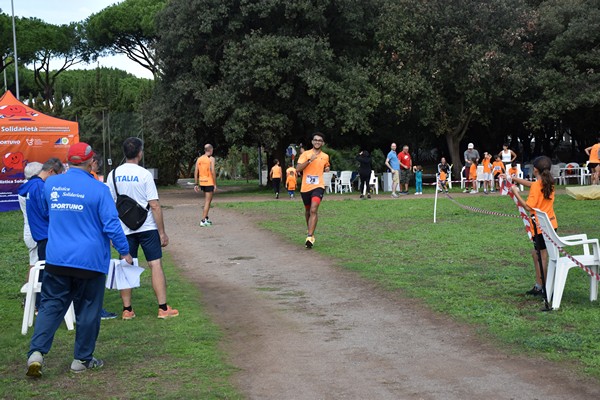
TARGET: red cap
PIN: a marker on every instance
(79, 153)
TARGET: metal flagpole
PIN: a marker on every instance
(15, 48)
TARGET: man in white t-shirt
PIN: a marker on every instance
(138, 183)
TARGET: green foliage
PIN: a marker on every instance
(129, 28)
(266, 73)
(567, 47)
(50, 42)
(473, 267)
(445, 62)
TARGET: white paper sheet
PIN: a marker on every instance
(122, 275)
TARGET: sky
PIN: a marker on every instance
(64, 11)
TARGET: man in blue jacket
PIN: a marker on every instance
(35, 203)
(83, 220)
(37, 210)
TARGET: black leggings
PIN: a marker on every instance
(364, 181)
(276, 183)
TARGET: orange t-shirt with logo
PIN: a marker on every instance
(497, 167)
(536, 200)
(473, 172)
(443, 176)
(205, 176)
(312, 175)
(487, 166)
(290, 182)
(513, 171)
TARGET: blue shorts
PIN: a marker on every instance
(150, 242)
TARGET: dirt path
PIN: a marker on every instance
(299, 327)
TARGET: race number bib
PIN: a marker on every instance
(312, 179)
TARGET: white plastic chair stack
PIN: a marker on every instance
(344, 181)
(327, 177)
(558, 267)
(31, 289)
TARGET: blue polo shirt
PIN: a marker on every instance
(393, 160)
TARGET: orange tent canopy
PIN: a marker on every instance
(27, 135)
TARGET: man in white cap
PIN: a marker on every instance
(470, 155)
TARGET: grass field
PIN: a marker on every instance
(145, 358)
(474, 267)
(471, 266)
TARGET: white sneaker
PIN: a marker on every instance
(35, 362)
(204, 223)
(466, 191)
(394, 195)
(474, 191)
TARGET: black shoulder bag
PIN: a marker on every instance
(130, 212)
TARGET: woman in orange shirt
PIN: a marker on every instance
(541, 196)
(275, 176)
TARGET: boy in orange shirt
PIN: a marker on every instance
(541, 196)
(290, 183)
(513, 171)
(473, 176)
(497, 170)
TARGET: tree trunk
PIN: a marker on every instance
(456, 159)
(453, 139)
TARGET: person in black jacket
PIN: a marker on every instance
(364, 171)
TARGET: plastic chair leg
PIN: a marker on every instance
(559, 286)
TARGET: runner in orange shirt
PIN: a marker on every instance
(205, 177)
(275, 176)
(312, 163)
(541, 196)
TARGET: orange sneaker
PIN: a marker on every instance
(170, 312)
(128, 314)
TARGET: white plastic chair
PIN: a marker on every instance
(31, 289)
(586, 176)
(519, 174)
(572, 171)
(558, 267)
(327, 178)
(555, 171)
(463, 180)
(344, 181)
(373, 183)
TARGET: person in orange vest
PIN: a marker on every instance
(276, 175)
(205, 177)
